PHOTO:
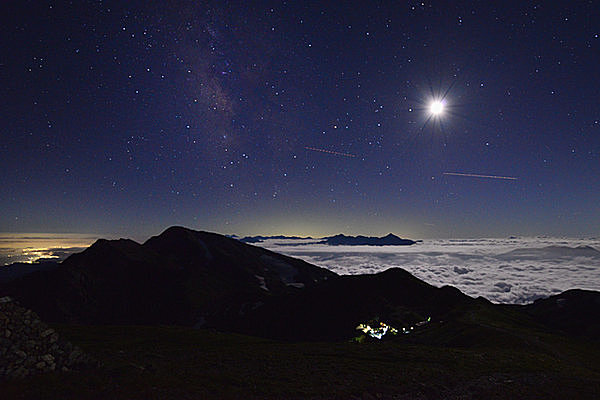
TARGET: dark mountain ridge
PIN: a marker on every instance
(179, 277)
(333, 309)
(16, 270)
(259, 239)
(339, 240)
(575, 312)
(193, 278)
(388, 240)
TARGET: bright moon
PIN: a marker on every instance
(436, 107)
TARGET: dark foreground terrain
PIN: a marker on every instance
(141, 362)
(193, 315)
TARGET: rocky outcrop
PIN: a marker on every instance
(28, 346)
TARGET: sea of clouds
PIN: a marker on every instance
(512, 270)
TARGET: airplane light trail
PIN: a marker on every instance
(511, 178)
(330, 152)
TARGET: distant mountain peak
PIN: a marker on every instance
(259, 239)
(389, 240)
(551, 252)
(340, 239)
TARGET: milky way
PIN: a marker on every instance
(127, 117)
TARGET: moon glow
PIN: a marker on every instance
(436, 108)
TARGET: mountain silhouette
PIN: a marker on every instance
(17, 270)
(388, 240)
(193, 278)
(575, 312)
(259, 239)
(178, 277)
(334, 308)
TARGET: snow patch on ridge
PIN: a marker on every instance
(261, 282)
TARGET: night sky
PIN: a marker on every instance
(308, 118)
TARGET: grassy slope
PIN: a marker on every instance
(172, 362)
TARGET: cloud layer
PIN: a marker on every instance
(515, 270)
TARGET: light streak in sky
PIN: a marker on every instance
(330, 152)
(511, 178)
